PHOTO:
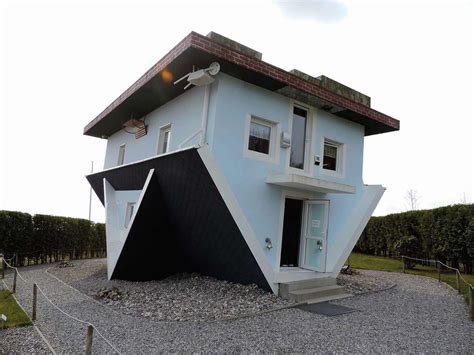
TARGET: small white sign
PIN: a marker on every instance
(315, 223)
(4, 317)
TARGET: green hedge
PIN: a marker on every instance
(44, 238)
(445, 234)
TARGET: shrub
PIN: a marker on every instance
(445, 233)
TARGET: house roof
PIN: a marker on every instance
(156, 87)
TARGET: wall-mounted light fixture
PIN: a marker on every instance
(268, 243)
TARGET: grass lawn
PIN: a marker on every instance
(369, 262)
(9, 307)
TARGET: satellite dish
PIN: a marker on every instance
(214, 68)
(201, 77)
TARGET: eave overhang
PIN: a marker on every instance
(156, 87)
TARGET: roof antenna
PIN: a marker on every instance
(201, 77)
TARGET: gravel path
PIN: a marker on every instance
(183, 297)
(419, 315)
(358, 281)
(21, 339)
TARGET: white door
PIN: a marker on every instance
(314, 235)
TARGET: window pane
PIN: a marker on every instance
(330, 157)
(298, 138)
(166, 135)
(121, 156)
(259, 138)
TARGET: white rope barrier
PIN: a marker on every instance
(62, 311)
(16, 270)
(441, 263)
(424, 260)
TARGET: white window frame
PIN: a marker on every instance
(340, 157)
(273, 155)
(121, 155)
(309, 151)
(129, 213)
(161, 138)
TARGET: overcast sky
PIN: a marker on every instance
(63, 62)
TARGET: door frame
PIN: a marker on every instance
(296, 195)
(303, 236)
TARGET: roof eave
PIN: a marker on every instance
(375, 122)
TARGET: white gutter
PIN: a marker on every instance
(205, 114)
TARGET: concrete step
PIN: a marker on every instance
(329, 298)
(315, 293)
(287, 287)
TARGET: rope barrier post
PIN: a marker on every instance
(14, 281)
(35, 292)
(90, 331)
(458, 282)
(438, 266)
(471, 302)
(403, 264)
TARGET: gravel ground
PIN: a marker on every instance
(20, 339)
(358, 282)
(184, 297)
(418, 315)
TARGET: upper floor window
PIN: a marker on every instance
(121, 155)
(332, 157)
(164, 139)
(298, 138)
(129, 213)
(261, 136)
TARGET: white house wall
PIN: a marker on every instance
(260, 202)
(115, 210)
(183, 113)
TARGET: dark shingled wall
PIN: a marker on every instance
(183, 224)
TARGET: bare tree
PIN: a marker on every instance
(412, 199)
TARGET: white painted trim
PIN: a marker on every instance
(128, 213)
(304, 236)
(121, 155)
(233, 205)
(340, 159)
(108, 186)
(273, 155)
(161, 134)
(146, 159)
(189, 138)
(297, 195)
(205, 114)
(360, 215)
(309, 149)
(308, 183)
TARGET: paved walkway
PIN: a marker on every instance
(419, 315)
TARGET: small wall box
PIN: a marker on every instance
(285, 141)
(317, 160)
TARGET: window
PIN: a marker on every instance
(129, 213)
(121, 155)
(260, 139)
(164, 139)
(332, 156)
(298, 138)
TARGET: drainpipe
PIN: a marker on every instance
(205, 114)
